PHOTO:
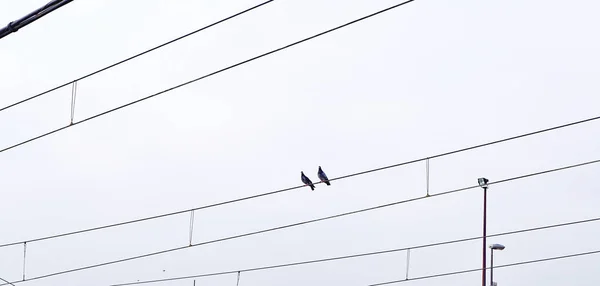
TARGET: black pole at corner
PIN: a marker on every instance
(31, 17)
(483, 269)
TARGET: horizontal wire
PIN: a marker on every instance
(263, 194)
(137, 55)
(277, 191)
(172, 88)
(301, 186)
(296, 224)
(475, 146)
(209, 75)
(270, 193)
(499, 266)
(360, 254)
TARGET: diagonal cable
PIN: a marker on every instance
(358, 255)
(301, 223)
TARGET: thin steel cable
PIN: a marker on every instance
(264, 194)
(301, 186)
(374, 253)
(7, 282)
(500, 266)
(208, 75)
(275, 51)
(281, 190)
(299, 223)
(175, 87)
(138, 55)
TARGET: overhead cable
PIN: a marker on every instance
(137, 55)
(203, 77)
(297, 187)
(358, 255)
(500, 266)
(6, 281)
(300, 223)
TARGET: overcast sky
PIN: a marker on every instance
(426, 78)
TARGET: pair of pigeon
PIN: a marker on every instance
(309, 183)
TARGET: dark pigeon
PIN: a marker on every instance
(323, 177)
(307, 181)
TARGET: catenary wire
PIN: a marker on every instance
(203, 77)
(332, 179)
(298, 223)
(106, 112)
(7, 282)
(359, 254)
(500, 266)
(297, 187)
(137, 55)
(273, 192)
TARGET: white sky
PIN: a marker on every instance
(429, 77)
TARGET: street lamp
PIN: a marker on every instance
(497, 246)
(494, 247)
(483, 182)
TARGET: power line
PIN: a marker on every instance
(7, 282)
(207, 75)
(297, 187)
(277, 191)
(500, 266)
(236, 65)
(137, 55)
(13, 27)
(359, 254)
(219, 71)
(300, 223)
(213, 73)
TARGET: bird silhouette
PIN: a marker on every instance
(307, 181)
(323, 177)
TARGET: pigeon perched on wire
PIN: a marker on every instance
(323, 177)
(307, 181)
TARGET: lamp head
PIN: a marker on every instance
(497, 247)
(483, 182)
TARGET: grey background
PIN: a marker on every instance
(426, 78)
